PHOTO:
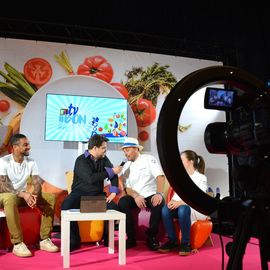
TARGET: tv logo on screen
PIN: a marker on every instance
(70, 115)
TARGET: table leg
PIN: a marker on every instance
(122, 241)
(111, 236)
(65, 235)
(62, 242)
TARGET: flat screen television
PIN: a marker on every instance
(75, 118)
(220, 99)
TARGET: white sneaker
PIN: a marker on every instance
(21, 250)
(48, 245)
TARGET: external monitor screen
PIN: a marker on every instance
(219, 99)
(76, 118)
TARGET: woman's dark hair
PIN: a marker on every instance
(96, 140)
(198, 161)
(16, 138)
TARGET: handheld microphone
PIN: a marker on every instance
(217, 193)
(210, 192)
(123, 162)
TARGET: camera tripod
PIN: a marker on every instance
(256, 214)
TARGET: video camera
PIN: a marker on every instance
(248, 130)
(245, 136)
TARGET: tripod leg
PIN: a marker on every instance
(241, 238)
(264, 236)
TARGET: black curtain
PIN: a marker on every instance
(252, 40)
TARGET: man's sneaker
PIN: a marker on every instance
(168, 246)
(21, 250)
(185, 250)
(48, 245)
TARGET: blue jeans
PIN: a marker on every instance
(182, 213)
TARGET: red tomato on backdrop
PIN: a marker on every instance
(37, 71)
(121, 88)
(145, 112)
(143, 135)
(96, 66)
(4, 105)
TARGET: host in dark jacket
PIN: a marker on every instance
(90, 170)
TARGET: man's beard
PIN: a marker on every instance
(102, 156)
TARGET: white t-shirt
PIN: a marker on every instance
(18, 173)
(141, 174)
(201, 181)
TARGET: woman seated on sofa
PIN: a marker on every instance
(177, 208)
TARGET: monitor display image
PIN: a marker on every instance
(219, 99)
(76, 118)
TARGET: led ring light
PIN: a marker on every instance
(168, 121)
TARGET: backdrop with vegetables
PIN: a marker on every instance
(144, 79)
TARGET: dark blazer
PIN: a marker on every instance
(89, 175)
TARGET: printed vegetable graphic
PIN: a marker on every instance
(145, 112)
(149, 83)
(17, 88)
(96, 66)
(143, 135)
(37, 71)
(121, 89)
(64, 61)
(4, 105)
(13, 128)
(144, 87)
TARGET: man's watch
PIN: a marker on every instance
(161, 193)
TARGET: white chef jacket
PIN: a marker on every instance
(141, 174)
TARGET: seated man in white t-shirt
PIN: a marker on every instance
(143, 181)
(15, 169)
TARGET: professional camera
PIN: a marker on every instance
(248, 130)
(244, 138)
